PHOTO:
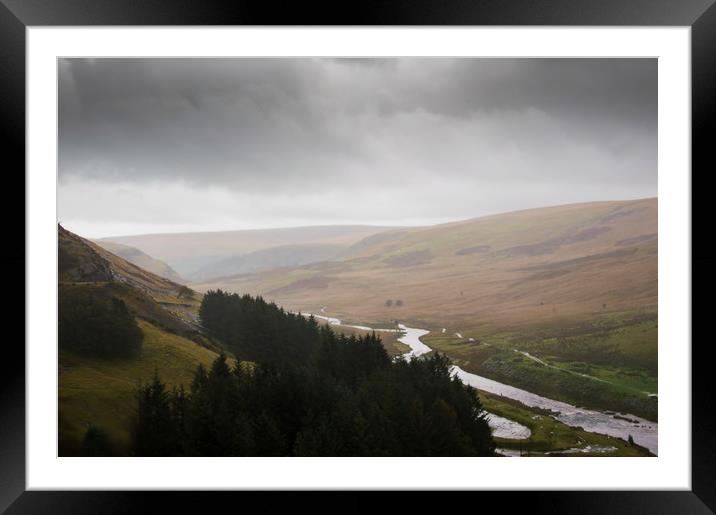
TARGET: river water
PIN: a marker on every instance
(644, 432)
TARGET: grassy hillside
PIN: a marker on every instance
(139, 258)
(101, 392)
(490, 273)
(82, 262)
(189, 252)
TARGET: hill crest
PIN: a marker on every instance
(501, 271)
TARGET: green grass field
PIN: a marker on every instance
(638, 381)
(620, 339)
(604, 363)
(101, 391)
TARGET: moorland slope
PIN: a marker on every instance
(97, 391)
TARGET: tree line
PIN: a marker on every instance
(94, 324)
(301, 389)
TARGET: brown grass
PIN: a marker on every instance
(493, 290)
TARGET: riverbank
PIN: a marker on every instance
(550, 437)
(604, 362)
(610, 425)
(556, 380)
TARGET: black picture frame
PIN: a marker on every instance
(700, 15)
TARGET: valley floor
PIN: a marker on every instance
(614, 390)
(606, 364)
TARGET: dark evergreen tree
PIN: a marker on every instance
(92, 324)
(96, 443)
(340, 395)
(155, 432)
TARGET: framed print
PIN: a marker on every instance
(439, 249)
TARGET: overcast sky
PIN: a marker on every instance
(174, 145)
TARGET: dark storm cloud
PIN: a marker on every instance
(586, 127)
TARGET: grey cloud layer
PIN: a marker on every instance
(264, 126)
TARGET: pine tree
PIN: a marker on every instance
(155, 431)
(342, 397)
(96, 443)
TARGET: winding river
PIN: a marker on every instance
(644, 432)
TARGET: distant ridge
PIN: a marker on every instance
(193, 254)
(507, 270)
(139, 258)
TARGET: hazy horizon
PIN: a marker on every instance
(357, 224)
(156, 146)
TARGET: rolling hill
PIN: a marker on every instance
(267, 259)
(139, 258)
(500, 271)
(99, 391)
(197, 253)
